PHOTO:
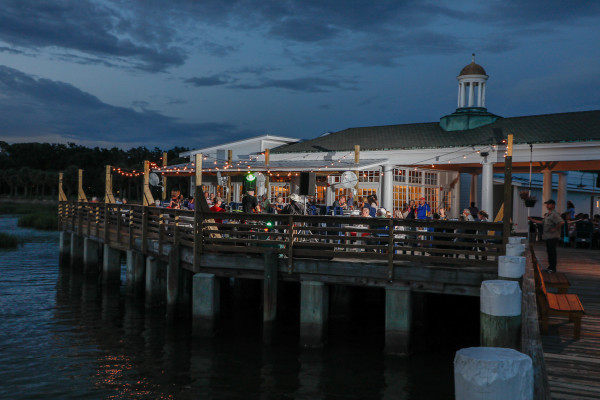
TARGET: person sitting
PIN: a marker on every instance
(278, 206)
(442, 214)
(217, 208)
(295, 207)
(350, 200)
(341, 202)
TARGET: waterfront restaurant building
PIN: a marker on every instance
(404, 162)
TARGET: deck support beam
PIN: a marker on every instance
(398, 319)
(314, 307)
(90, 256)
(205, 303)
(111, 265)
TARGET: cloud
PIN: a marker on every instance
(38, 107)
(305, 84)
(213, 80)
(95, 29)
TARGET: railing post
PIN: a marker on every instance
(198, 236)
(79, 218)
(130, 228)
(291, 244)
(144, 230)
(73, 208)
(161, 231)
(391, 250)
(106, 224)
(119, 223)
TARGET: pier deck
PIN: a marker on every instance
(573, 366)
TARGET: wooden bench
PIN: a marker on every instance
(563, 304)
(556, 280)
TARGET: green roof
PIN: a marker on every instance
(549, 128)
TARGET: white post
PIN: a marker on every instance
(487, 186)
(459, 92)
(492, 373)
(388, 187)
(479, 93)
(500, 314)
(483, 85)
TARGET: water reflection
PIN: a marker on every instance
(65, 335)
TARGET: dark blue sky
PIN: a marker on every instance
(196, 73)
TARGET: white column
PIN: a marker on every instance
(459, 92)
(387, 201)
(471, 94)
(479, 93)
(561, 197)
(547, 188)
(487, 186)
(483, 85)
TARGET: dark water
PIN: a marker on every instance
(64, 337)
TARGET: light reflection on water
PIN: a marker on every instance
(63, 336)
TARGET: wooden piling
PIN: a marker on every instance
(90, 256)
(500, 316)
(155, 283)
(76, 250)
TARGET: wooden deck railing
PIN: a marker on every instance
(444, 242)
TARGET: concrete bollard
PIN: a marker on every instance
(500, 316)
(205, 303)
(511, 268)
(518, 240)
(492, 373)
(516, 249)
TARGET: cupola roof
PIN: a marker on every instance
(472, 69)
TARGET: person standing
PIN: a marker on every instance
(423, 210)
(552, 224)
(249, 202)
(474, 210)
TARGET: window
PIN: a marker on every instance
(415, 177)
(400, 193)
(399, 175)
(320, 194)
(431, 197)
(280, 191)
(431, 178)
(368, 176)
(414, 193)
(446, 200)
(364, 193)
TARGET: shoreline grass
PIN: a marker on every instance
(39, 220)
(8, 241)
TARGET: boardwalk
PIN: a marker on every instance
(574, 366)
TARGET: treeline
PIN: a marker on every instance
(31, 169)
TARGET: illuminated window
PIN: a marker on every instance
(431, 197)
(400, 196)
(414, 193)
(320, 194)
(280, 191)
(364, 193)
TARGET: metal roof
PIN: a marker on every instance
(550, 128)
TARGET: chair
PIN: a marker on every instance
(584, 230)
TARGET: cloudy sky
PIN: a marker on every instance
(199, 72)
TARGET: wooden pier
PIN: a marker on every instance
(573, 366)
(175, 256)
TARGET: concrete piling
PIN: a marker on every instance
(76, 250)
(398, 319)
(205, 303)
(64, 248)
(314, 307)
(173, 284)
(111, 265)
(511, 268)
(90, 256)
(155, 283)
(500, 314)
